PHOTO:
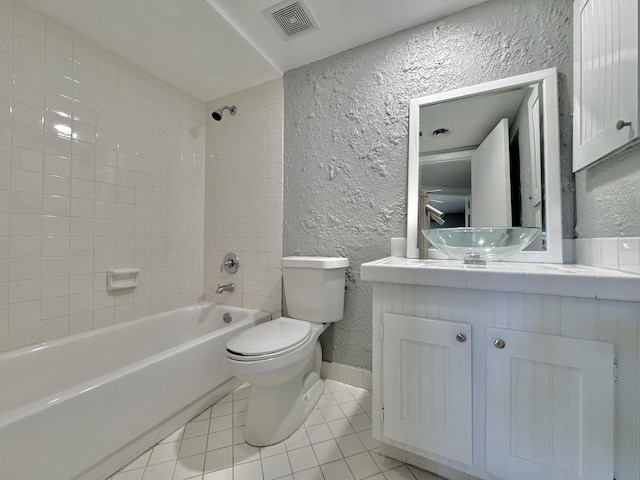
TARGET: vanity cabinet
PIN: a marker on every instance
(537, 378)
(427, 384)
(549, 399)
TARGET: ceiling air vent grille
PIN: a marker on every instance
(292, 19)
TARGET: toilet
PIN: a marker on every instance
(282, 358)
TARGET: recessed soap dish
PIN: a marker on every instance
(121, 278)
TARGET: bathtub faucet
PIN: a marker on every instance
(229, 287)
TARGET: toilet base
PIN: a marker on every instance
(275, 413)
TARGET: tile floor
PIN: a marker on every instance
(334, 443)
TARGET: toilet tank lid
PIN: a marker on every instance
(315, 262)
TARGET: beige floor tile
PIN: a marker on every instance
(248, 471)
(272, 450)
(362, 465)
(193, 446)
(129, 475)
(220, 439)
(319, 433)
(400, 473)
(335, 470)
(276, 466)
(311, 474)
(160, 471)
(335, 443)
(218, 459)
(350, 445)
(302, 459)
(164, 452)
(189, 467)
(245, 453)
(327, 452)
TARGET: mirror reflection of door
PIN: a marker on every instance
(491, 180)
(535, 196)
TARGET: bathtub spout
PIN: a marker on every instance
(229, 287)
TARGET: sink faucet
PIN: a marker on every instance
(434, 214)
(228, 287)
(426, 213)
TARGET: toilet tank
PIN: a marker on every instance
(314, 287)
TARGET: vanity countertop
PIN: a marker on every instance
(538, 278)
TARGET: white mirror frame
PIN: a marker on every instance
(553, 200)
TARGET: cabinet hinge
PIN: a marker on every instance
(615, 370)
(382, 330)
(382, 413)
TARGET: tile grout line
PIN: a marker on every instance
(348, 401)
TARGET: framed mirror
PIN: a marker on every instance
(489, 155)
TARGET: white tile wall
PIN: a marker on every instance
(614, 253)
(244, 197)
(97, 170)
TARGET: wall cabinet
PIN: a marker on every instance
(605, 117)
(467, 386)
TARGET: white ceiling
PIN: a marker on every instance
(210, 48)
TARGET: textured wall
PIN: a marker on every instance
(345, 124)
(608, 197)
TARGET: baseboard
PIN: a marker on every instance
(354, 376)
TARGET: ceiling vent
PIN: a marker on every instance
(291, 19)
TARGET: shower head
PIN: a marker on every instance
(217, 115)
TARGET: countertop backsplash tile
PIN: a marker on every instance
(613, 253)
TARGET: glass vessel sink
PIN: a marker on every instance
(476, 245)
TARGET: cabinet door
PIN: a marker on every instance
(426, 385)
(605, 78)
(549, 407)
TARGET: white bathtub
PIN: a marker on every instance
(83, 406)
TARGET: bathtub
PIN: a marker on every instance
(82, 406)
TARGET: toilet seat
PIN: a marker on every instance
(269, 340)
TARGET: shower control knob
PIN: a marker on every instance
(231, 263)
(461, 337)
(499, 343)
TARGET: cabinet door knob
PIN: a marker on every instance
(621, 124)
(461, 337)
(499, 343)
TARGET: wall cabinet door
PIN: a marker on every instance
(426, 385)
(549, 407)
(605, 83)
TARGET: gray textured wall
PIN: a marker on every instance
(608, 197)
(345, 124)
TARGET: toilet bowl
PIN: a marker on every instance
(282, 358)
